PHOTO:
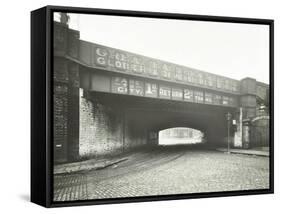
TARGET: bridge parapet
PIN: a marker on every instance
(66, 93)
(124, 62)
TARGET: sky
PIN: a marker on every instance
(228, 49)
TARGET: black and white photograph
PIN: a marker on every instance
(149, 107)
(139, 107)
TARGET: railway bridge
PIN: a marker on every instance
(107, 101)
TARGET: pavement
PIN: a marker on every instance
(96, 164)
(87, 165)
(166, 171)
(255, 151)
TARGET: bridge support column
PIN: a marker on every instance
(73, 112)
(153, 138)
(238, 141)
(65, 94)
(248, 104)
(66, 111)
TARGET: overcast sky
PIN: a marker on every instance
(232, 50)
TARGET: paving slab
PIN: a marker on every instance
(246, 151)
(92, 164)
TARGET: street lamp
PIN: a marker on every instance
(228, 118)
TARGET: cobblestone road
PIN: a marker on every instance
(167, 171)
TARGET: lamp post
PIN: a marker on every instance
(228, 118)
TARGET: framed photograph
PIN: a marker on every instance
(132, 106)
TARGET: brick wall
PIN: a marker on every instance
(260, 132)
(105, 130)
(60, 122)
(65, 94)
(135, 135)
(60, 96)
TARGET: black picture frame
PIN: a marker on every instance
(42, 104)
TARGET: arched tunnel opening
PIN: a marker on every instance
(111, 124)
(180, 136)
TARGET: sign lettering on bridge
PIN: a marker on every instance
(136, 87)
(119, 85)
(177, 94)
(151, 89)
(164, 92)
(188, 95)
(120, 61)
